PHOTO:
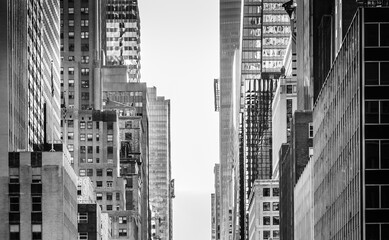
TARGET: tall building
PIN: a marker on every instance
(216, 203)
(130, 99)
(121, 35)
(230, 11)
(30, 103)
(263, 214)
(160, 162)
(350, 134)
(80, 54)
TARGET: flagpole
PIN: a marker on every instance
(52, 109)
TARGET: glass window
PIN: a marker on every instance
(109, 137)
(276, 192)
(71, 71)
(85, 83)
(14, 204)
(266, 234)
(84, 96)
(109, 196)
(117, 196)
(82, 124)
(372, 196)
(90, 149)
(384, 196)
(276, 234)
(384, 34)
(266, 192)
(372, 153)
(99, 172)
(90, 160)
(372, 231)
(82, 160)
(82, 217)
(384, 73)
(122, 232)
(84, 34)
(371, 112)
(85, 59)
(384, 112)
(384, 154)
(70, 135)
(90, 137)
(276, 206)
(384, 231)
(266, 220)
(85, 71)
(71, 35)
(89, 172)
(110, 150)
(36, 231)
(266, 206)
(122, 220)
(371, 34)
(99, 196)
(82, 149)
(82, 137)
(83, 236)
(109, 208)
(82, 172)
(109, 172)
(276, 220)
(371, 73)
(36, 203)
(71, 10)
(99, 183)
(109, 183)
(97, 149)
(90, 125)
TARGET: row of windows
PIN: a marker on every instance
(266, 206)
(36, 203)
(83, 149)
(84, 23)
(71, 10)
(266, 192)
(99, 172)
(266, 234)
(83, 35)
(14, 230)
(84, 71)
(99, 196)
(276, 220)
(84, 47)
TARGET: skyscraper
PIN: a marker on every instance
(160, 163)
(229, 41)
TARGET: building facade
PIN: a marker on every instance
(264, 219)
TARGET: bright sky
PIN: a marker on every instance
(180, 56)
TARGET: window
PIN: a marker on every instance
(371, 34)
(109, 208)
(71, 23)
(71, 35)
(82, 149)
(97, 136)
(71, 71)
(82, 217)
(14, 230)
(384, 112)
(71, 59)
(266, 234)
(84, 96)
(99, 172)
(82, 172)
(71, 95)
(99, 183)
(110, 125)
(84, 10)
(82, 160)
(266, 192)
(36, 231)
(71, 82)
(97, 125)
(82, 236)
(266, 206)
(71, 11)
(310, 125)
(384, 73)
(110, 160)
(276, 192)
(109, 184)
(97, 160)
(371, 73)
(276, 234)
(90, 160)
(110, 150)
(84, 23)
(117, 196)
(85, 47)
(276, 220)
(122, 220)
(14, 204)
(36, 203)
(128, 124)
(371, 112)
(122, 232)
(384, 154)
(70, 147)
(109, 172)
(90, 125)
(384, 196)
(90, 149)
(90, 137)
(84, 71)
(71, 47)
(289, 89)
(276, 206)
(310, 152)
(85, 83)
(384, 34)
(99, 196)
(372, 231)
(70, 135)
(266, 220)
(70, 123)
(110, 137)
(372, 154)
(82, 124)
(84, 34)
(372, 196)
(82, 137)
(109, 196)
(85, 59)
(128, 136)
(97, 149)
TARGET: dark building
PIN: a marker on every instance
(294, 156)
(89, 221)
(351, 134)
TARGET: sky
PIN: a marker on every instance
(180, 56)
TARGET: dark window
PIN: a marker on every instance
(14, 159)
(276, 206)
(384, 231)
(384, 73)
(371, 34)
(384, 112)
(266, 234)
(89, 172)
(276, 220)
(109, 172)
(14, 188)
(99, 183)
(384, 34)
(109, 207)
(372, 231)
(289, 89)
(385, 197)
(117, 196)
(128, 136)
(371, 73)
(110, 125)
(99, 172)
(110, 150)
(276, 192)
(36, 159)
(266, 206)
(82, 149)
(372, 196)
(14, 204)
(266, 192)
(90, 125)
(90, 149)
(36, 189)
(109, 196)
(266, 220)
(276, 234)
(372, 155)
(36, 204)
(384, 154)
(371, 112)
(97, 149)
